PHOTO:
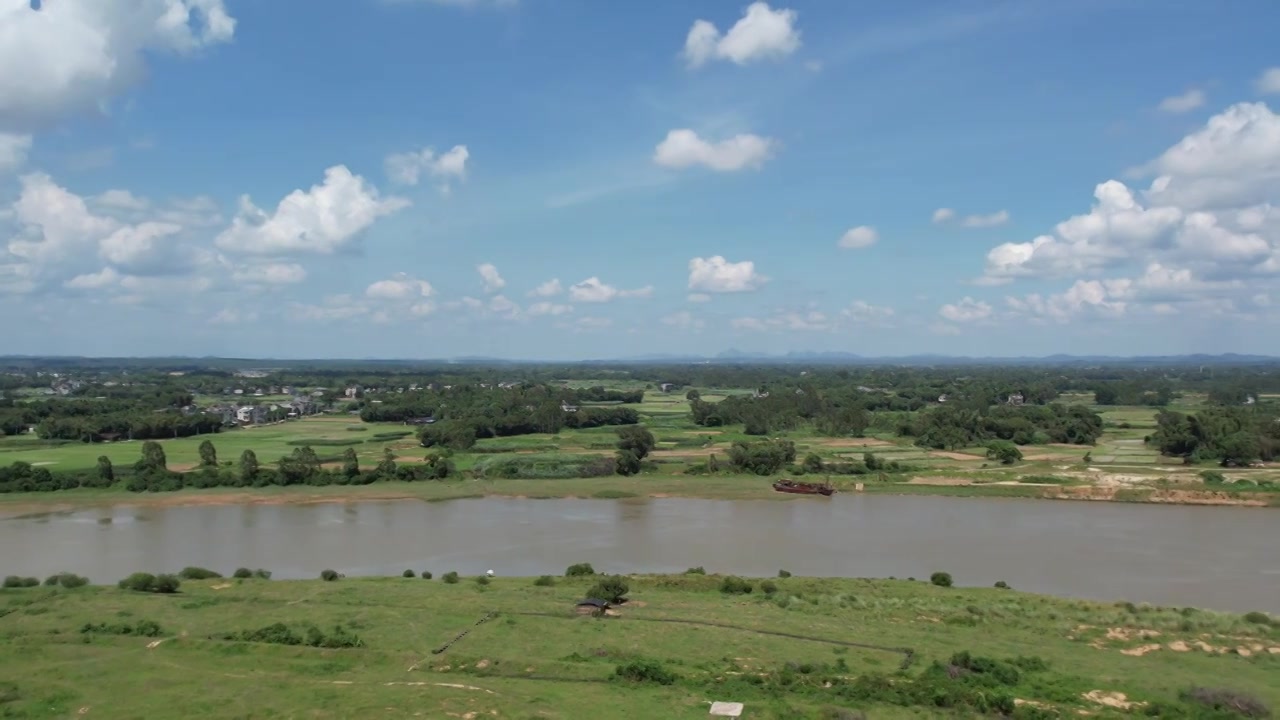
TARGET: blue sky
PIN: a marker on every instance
(406, 178)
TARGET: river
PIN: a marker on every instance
(1223, 558)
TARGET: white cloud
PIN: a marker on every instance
(683, 148)
(120, 200)
(593, 323)
(137, 246)
(942, 216)
(699, 297)
(270, 274)
(94, 281)
(1186, 102)
(806, 321)
(550, 288)
(74, 55)
(408, 168)
(967, 310)
(861, 311)
(548, 308)
(321, 220)
(717, 275)
(1268, 82)
(230, 316)
(683, 320)
(400, 286)
(504, 307)
(493, 281)
(13, 151)
(761, 33)
(863, 236)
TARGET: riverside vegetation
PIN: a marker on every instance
(615, 431)
(786, 647)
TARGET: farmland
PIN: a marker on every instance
(791, 648)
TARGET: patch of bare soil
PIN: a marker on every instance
(940, 481)
(1116, 700)
(1048, 457)
(954, 455)
(221, 586)
(1127, 634)
(1141, 649)
(1069, 446)
(853, 442)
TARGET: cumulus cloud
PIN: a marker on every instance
(13, 150)
(94, 281)
(74, 55)
(863, 236)
(550, 288)
(762, 33)
(1268, 82)
(967, 310)
(400, 286)
(270, 274)
(809, 320)
(683, 148)
(489, 275)
(322, 220)
(548, 308)
(942, 216)
(717, 275)
(408, 168)
(1186, 102)
(684, 320)
(593, 290)
(863, 312)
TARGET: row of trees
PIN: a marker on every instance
(1232, 436)
(948, 427)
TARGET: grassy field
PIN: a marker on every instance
(1121, 465)
(790, 654)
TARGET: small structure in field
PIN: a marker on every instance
(726, 709)
(592, 606)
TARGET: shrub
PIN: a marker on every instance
(261, 574)
(579, 570)
(242, 573)
(1213, 477)
(1002, 585)
(645, 671)
(146, 582)
(198, 573)
(612, 588)
(328, 575)
(71, 580)
(51, 581)
(733, 585)
(1229, 701)
(695, 571)
(13, 581)
(450, 577)
(426, 574)
(409, 574)
(165, 584)
(768, 587)
(784, 574)
(144, 628)
(545, 581)
(482, 580)
(1258, 618)
(941, 579)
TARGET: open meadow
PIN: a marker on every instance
(788, 648)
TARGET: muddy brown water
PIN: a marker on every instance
(1223, 558)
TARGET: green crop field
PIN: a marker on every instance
(796, 652)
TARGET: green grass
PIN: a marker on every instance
(536, 659)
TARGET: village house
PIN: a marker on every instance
(1015, 399)
(566, 407)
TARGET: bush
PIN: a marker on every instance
(66, 580)
(242, 573)
(695, 571)
(768, 587)
(1229, 701)
(13, 581)
(579, 570)
(545, 581)
(450, 577)
(1002, 585)
(261, 574)
(733, 585)
(482, 580)
(1213, 477)
(198, 573)
(426, 574)
(329, 575)
(409, 574)
(612, 588)
(144, 628)
(784, 574)
(645, 671)
(146, 582)
(941, 579)
(1258, 618)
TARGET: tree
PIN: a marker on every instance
(153, 459)
(350, 463)
(106, 472)
(693, 395)
(208, 454)
(637, 439)
(812, 463)
(612, 588)
(300, 466)
(387, 468)
(248, 466)
(627, 462)
(1004, 451)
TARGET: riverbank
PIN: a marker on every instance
(792, 647)
(719, 487)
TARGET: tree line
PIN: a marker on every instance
(1231, 436)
